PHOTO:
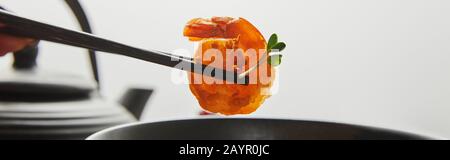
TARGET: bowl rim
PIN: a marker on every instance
(96, 135)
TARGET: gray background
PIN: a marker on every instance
(373, 62)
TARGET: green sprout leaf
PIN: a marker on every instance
(275, 60)
(272, 41)
(274, 46)
(280, 46)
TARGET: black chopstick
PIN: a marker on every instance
(20, 26)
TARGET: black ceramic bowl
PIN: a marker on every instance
(249, 129)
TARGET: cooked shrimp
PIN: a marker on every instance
(222, 34)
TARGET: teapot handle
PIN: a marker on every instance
(26, 58)
(83, 21)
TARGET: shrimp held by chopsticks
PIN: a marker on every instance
(230, 41)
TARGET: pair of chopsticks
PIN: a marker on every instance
(24, 27)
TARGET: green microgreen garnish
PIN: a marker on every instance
(274, 46)
(278, 47)
(275, 60)
(272, 41)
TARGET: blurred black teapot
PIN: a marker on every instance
(37, 104)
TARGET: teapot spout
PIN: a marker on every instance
(135, 99)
